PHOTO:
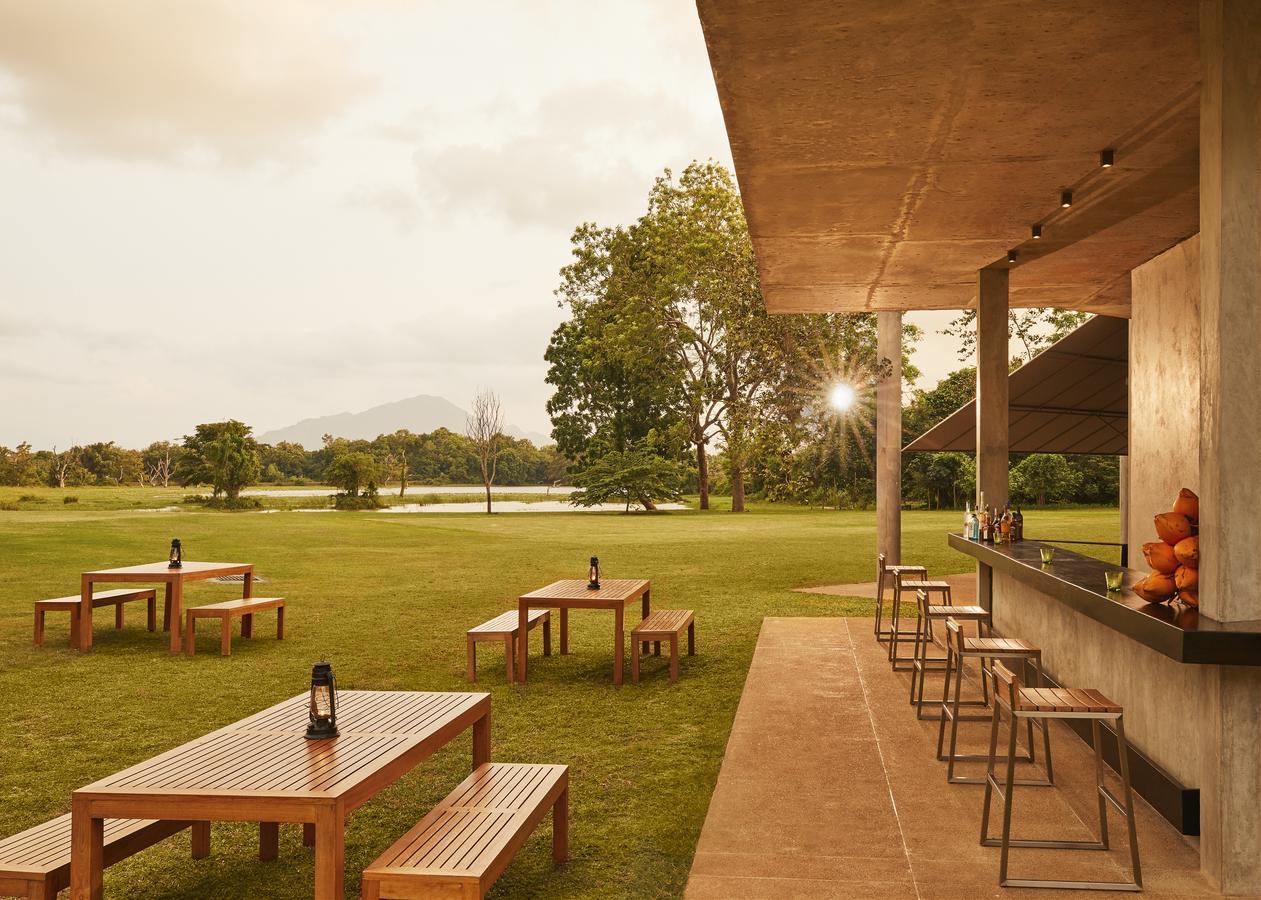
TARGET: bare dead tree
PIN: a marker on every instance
(484, 427)
(63, 463)
(162, 468)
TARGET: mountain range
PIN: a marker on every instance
(418, 414)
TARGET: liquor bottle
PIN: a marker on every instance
(1018, 525)
(967, 521)
(1004, 524)
(987, 536)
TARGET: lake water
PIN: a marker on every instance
(558, 491)
(514, 506)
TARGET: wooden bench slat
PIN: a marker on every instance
(41, 854)
(664, 621)
(508, 622)
(237, 607)
(243, 608)
(99, 598)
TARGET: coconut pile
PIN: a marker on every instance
(1175, 558)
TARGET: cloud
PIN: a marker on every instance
(397, 204)
(133, 79)
(577, 155)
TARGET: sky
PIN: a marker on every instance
(276, 211)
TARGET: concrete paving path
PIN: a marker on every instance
(830, 788)
(962, 588)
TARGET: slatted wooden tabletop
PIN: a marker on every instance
(614, 593)
(263, 768)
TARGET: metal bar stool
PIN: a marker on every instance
(883, 572)
(958, 649)
(1057, 703)
(902, 584)
(924, 663)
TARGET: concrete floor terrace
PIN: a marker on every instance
(830, 788)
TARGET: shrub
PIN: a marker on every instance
(69, 498)
(30, 498)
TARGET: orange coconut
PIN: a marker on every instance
(1160, 557)
(1187, 579)
(1172, 527)
(1190, 598)
(1156, 587)
(1188, 504)
(1187, 551)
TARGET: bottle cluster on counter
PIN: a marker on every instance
(990, 525)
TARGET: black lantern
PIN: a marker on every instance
(177, 555)
(322, 722)
(593, 574)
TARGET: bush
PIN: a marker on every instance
(228, 503)
(362, 501)
(69, 498)
(636, 476)
(30, 498)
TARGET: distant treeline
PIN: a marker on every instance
(439, 457)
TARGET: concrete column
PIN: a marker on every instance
(889, 436)
(991, 386)
(1230, 426)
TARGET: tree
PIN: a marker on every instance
(65, 467)
(1043, 478)
(1035, 329)
(484, 428)
(395, 449)
(637, 475)
(221, 454)
(159, 461)
(350, 471)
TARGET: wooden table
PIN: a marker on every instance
(263, 769)
(155, 573)
(614, 593)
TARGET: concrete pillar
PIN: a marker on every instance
(1123, 486)
(889, 436)
(1230, 425)
(992, 362)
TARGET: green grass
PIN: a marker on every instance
(388, 599)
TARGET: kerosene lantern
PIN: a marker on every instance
(177, 555)
(593, 574)
(322, 720)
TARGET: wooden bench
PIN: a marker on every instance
(465, 843)
(72, 605)
(225, 612)
(36, 863)
(504, 628)
(663, 625)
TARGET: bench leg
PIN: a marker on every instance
(225, 637)
(280, 623)
(201, 840)
(268, 841)
(190, 636)
(691, 639)
(564, 630)
(370, 890)
(118, 614)
(40, 890)
(247, 625)
(166, 609)
(39, 627)
(547, 635)
(674, 659)
(560, 827)
(308, 834)
(470, 667)
(153, 612)
(635, 662)
(656, 648)
(510, 658)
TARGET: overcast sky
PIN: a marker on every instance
(271, 211)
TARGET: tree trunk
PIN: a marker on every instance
(702, 474)
(402, 479)
(488, 498)
(648, 505)
(737, 488)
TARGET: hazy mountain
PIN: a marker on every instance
(417, 414)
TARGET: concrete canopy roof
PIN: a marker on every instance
(1073, 397)
(888, 149)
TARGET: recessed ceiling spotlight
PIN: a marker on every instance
(1037, 231)
(1107, 158)
(1066, 199)
(1011, 255)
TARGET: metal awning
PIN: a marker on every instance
(1070, 398)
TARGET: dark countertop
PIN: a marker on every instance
(1177, 631)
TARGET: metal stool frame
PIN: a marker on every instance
(882, 573)
(1006, 692)
(923, 663)
(958, 649)
(903, 663)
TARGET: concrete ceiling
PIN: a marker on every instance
(888, 149)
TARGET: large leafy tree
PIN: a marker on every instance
(637, 475)
(221, 454)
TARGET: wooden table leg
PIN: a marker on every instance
(190, 636)
(82, 637)
(564, 630)
(201, 840)
(481, 741)
(509, 650)
(167, 595)
(177, 607)
(153, 612)
(308, 834)
(547, 634)
(87, 854)
(225, 636)
(619, 639)
(120, 616)
(247, 584)
(523, 615)
(647, 605)
(330, 853)
(268, 841)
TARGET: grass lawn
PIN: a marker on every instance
(388, 598)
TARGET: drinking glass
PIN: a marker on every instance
(1048, 553)
(1113, 580)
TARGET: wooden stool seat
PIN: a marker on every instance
(923, 663)
(896, 635)
(963, 613)
(73, 604)
(36, 863)
(1056, 703)
(993, 646)
(504, 627)
(225, 612)
(467, 840)
(663, 625)
(883, 572)
(924, 585)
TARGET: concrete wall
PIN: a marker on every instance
(1166, 713)
(1164, 388)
